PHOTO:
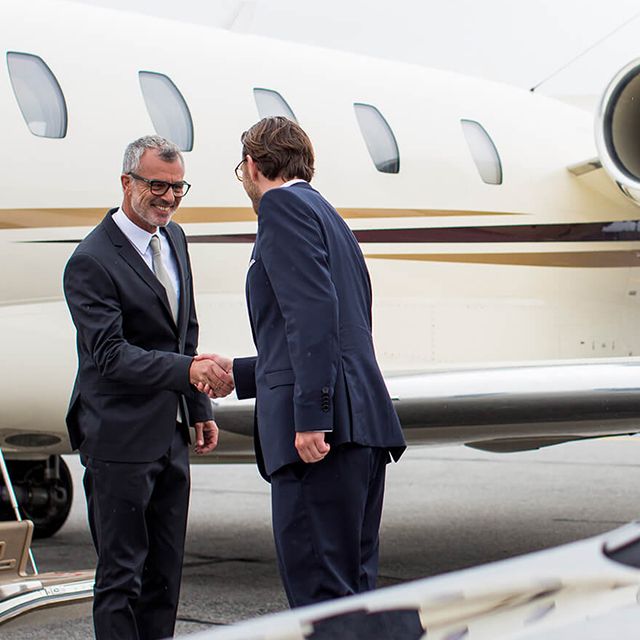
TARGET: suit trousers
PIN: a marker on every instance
(138, 517)
(326, 518)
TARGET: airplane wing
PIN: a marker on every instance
(501, 408)
(584, 590)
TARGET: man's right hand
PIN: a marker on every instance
(206, 373)
(226, 364)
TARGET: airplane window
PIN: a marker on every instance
(379, 138)
(39, 95)
(167, 108)
(271, 103)
(483, 151)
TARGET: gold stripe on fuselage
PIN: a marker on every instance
(89, 217)
(580, 259)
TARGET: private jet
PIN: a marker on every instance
(502, 235)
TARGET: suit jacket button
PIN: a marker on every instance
(325, 390)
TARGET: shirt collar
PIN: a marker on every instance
(138, 237)
(290, 182)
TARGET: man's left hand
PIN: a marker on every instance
(206, 437)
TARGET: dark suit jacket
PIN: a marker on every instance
(133, 362)
(309, 300)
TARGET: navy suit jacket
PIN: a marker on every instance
(309, 301)
(133, 361)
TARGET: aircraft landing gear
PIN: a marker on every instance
(44, 491)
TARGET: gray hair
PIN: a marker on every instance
(166, 149)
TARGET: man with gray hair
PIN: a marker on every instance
(129, 289)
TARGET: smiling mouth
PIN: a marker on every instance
(163, 208)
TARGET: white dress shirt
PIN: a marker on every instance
(141, 239)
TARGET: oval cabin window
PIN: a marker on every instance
(167, 109)
(38, 94)
(379, 138)
(271, 103)
(483, 151)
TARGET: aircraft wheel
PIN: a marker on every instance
(44, 490)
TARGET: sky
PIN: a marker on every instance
(568, 47)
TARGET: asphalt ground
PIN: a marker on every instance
(446, 508)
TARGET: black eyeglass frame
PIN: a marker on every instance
(238, 171)
(183, 185)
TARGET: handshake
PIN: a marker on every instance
(212, 374)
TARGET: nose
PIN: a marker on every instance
(169, 198)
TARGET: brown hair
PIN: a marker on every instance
(280, 148)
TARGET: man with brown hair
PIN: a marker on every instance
(325, 422)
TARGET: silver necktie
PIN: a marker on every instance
(163, 276)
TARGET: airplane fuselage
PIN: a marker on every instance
(464, 273)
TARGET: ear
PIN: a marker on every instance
(125, 181)
(252, 168)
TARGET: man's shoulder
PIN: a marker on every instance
(296, 198)
(93, 242)
(306, 193)
(96, 242)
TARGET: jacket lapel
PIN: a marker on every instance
(135, 260)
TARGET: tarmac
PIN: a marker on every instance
(446, 508)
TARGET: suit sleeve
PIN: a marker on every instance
(198, 404)
(244, 377)
(95, 308)
(295, 257)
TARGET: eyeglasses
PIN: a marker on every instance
(160, 187)
(238, 170)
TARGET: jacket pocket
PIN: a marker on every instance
(279, 378)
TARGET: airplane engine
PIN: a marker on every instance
(618, 130)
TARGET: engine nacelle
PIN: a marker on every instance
(617, 130)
